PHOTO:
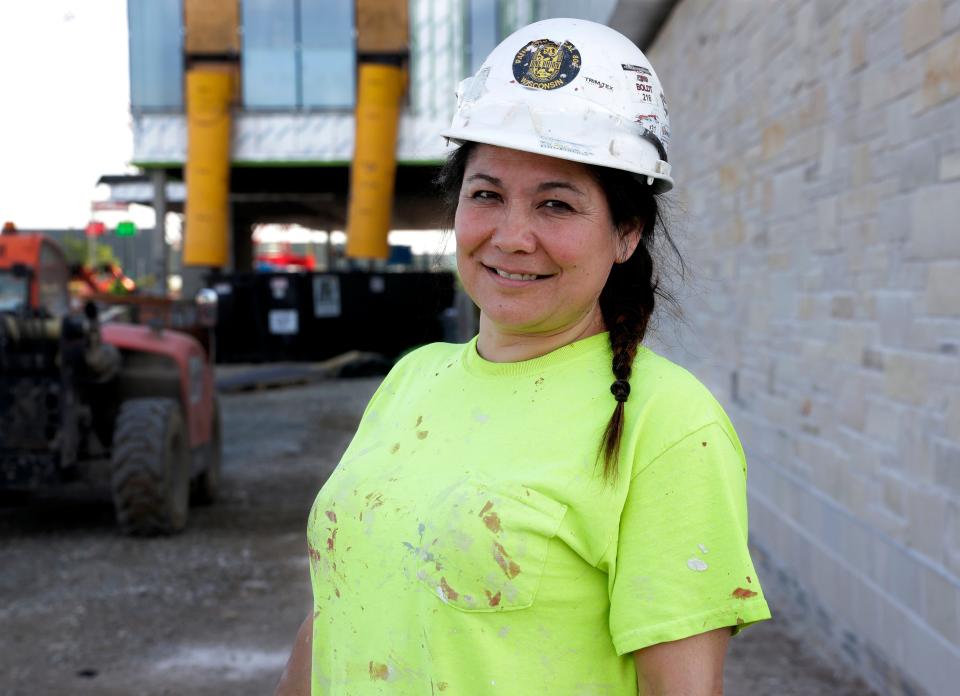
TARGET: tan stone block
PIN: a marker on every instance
(950, 166)
(858, 203)
(804, 25)
(952, 418)
(941, 80)
(779, 260)
(868, 233)
(858, 49)
(870, 260)
(943, 288)
(893, 497)
(729, 180)
(868, 303)
(826, 236)
(758, 316)
(731, 235)
(879, 87)
(862, 171)
(928, 518)
(873, 88)
(850, 403)
(842, 307)
(921, 24)
(941, 598)
(773, 139)
(881, 421)
(848, 344)
(872, 359)
(833, 36)
(885, 522)
(905, 378)
(813, 110)
(915, 439)
(953, 537)
(931, 210)
(804, 146)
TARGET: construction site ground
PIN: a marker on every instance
(214, 610)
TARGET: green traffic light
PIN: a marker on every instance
(125, 229)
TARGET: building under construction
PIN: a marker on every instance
(261, 106)
(320, 113)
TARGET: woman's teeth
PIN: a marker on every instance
(515, 276)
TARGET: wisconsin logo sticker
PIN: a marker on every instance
(543, 64)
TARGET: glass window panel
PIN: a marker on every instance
(482, 25)
(13, 292)
(326, 30)
(52, 278)
(156, 54)
(269, 54)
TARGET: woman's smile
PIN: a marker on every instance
(517, 275)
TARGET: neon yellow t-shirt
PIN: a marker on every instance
(468, 544)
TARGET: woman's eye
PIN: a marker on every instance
(557, 205)
(485, 196)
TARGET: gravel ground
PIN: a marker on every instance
(84, 610)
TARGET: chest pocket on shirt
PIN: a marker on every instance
(482, 548)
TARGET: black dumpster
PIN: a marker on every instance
(267, 317)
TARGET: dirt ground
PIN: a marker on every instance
(84, 610)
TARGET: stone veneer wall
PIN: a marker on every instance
(816, 146)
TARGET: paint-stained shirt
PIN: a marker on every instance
(468, 542)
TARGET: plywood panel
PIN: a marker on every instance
(211, 26)
(382, 26)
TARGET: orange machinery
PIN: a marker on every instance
(75, 392)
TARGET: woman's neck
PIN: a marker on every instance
(498, 345)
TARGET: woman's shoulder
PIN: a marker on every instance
(659, 377)
(671, 401)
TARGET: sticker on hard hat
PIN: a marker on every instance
(643, 86)
(477, 84)
(543, 64)
(636, 68)
(565, 146)
(649, 121)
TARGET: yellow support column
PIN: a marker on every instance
(210, 90)
(380, 90)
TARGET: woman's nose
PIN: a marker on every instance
(515, 233)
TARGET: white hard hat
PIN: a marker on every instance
(571, 89)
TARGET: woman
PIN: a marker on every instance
(551, 507)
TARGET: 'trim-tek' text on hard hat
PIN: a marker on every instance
(570, 89)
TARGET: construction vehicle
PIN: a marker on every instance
(83, 398)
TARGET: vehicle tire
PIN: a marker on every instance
(206, 485)
(150, 467)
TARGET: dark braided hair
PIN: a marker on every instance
(628, 299)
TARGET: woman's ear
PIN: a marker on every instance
(628, 237)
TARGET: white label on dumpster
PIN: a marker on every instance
(283, 322)
(326, 296)
(279, 286)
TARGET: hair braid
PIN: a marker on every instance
(627, 302)
(629, 296)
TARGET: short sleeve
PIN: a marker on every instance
(682, 564)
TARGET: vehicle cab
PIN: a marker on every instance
(34, 274)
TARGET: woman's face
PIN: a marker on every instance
(535, 242)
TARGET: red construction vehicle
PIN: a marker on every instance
(80, 396)
(282, 258)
